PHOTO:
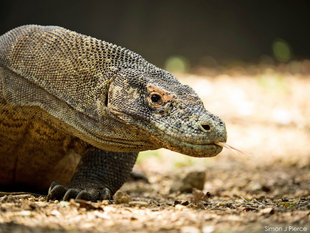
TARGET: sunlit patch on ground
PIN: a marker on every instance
(267, 115)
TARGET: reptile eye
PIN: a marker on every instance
(156, 99)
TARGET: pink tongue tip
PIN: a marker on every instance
(223, 144)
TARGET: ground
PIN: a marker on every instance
(266, 111)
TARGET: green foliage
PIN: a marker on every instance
(177, 64)
(272, 82)
(287, 204)
(146, 155)
(281, 50)
(184, 161)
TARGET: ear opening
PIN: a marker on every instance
(107, 94)
(106, 101)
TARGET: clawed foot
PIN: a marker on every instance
(60, 192)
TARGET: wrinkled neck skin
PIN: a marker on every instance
(180, 123)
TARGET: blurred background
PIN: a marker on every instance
(248, 60)
(205, 33)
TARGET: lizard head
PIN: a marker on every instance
(172, 113)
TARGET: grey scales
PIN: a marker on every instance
(77, 110)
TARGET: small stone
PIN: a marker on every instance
(73, 203)
(105, 202)
(41, 204)
(179, 207)
(4, 198)
(246, 209)
(55, 213)
(100, 214)
(185, 203)
(265, 211)
(121, 198)
(189, 229)
(64, 203)
(138, 203)
(176, 202)
(207, 229)
(25, 213)
(197, 195)
(191, 180)
(32, 206)
(197, 206)
(208, 195)
(200, 205)
(266, 189)
(88, 205)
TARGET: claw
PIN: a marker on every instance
(59, 192)
(71, 194)
(53, 184)
(84, 195)
(56, 192)
(106, 194)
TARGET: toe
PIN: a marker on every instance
(84, 195)
(71, 194)
(56, 192)
(106, 194)
(53, 184)
(60, 192)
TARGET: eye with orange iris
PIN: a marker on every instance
(158, 97)
(155, 98)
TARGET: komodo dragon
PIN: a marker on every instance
(78, 110)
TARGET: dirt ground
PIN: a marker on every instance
(267, 114)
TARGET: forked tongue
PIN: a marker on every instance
(231, 148)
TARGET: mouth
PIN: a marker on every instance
(159, 138)
(191, 149)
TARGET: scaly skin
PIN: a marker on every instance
(69, 99)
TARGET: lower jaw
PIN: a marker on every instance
(193, 150)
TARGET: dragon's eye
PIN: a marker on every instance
(156, 99)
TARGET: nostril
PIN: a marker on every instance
(205, 127)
